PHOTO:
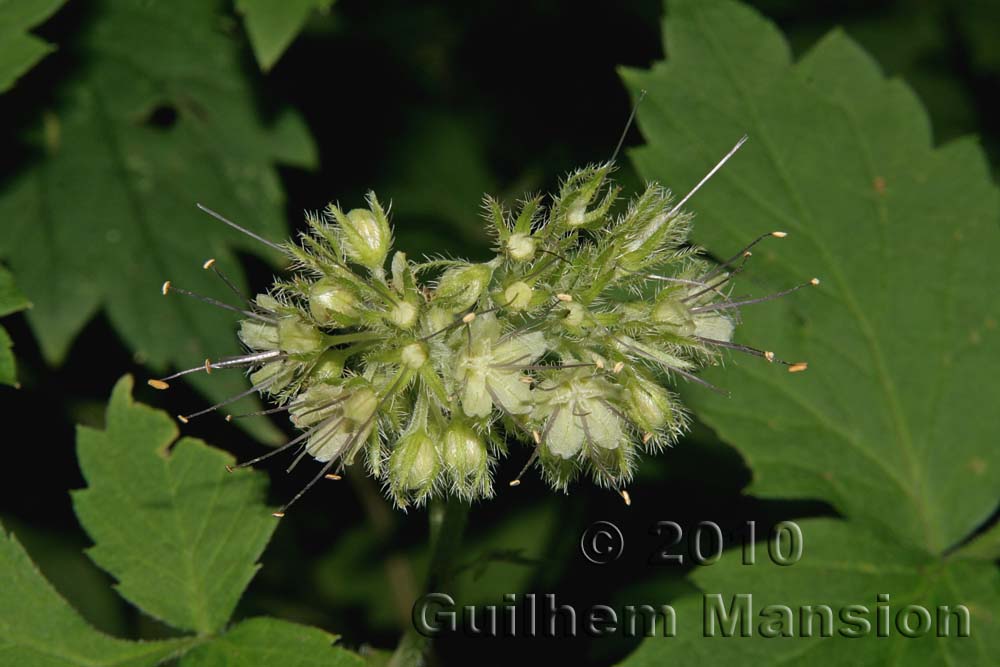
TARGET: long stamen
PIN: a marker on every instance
(714, 287)
(232, 224)
(722, 267)
(668, 279)
(753, 351)
(295, 461)
(169, 287)
(531, 459)
(209, 366)
(210, 264)
(748, 302)
(347, 447)
(628, 125)
(232, 399)
(717, 167)
(674, 369)
(291, 443)
(259, 413)
(793, 366)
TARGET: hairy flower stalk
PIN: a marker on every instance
(565, 341)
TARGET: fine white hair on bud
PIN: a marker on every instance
(521, 247)
(566, 341)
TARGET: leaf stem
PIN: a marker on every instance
(447, 522)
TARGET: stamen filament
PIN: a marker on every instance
(169, 287)
(232, 399)
(710, 174)
(748, 302)
(232, 224)
(722, 267)
(227, 362)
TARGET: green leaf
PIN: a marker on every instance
(985, 546)
(159, 116)
(841, 565)
(11, 301)
(61, 556)
(19, 50)
(269, 641)
(272, 26)
(38, 628)
(892, 423)
(179, 533)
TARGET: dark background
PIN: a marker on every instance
(431, 106)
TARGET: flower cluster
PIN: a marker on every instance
(565, 341)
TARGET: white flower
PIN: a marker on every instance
(338, 417)
(578, 410)
(490, 368)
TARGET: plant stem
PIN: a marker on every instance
(447, 522)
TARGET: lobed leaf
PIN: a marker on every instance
(892, 424)
(39, 629)
(179, 533)
(270, 641)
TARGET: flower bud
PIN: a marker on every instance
(315, 404)
(330, 366)
(414, 355)
(647, 403)
(331, 303)
(521, 247)
(675, 316)
(279, 373)
(267, 302)
(460, 288)
(575, 315)
(367, 237)
(259, 335)
(298, 337)
(361, 405)
(340, 426)
(517, 296)
(438, 319)
(403, 315)
(577, 213)
(714, 326)
(465, 453)
(413, 465)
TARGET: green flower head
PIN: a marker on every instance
(566, 341)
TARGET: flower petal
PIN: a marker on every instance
(476, 401)
(523, 349)
(563, 435)
(600, 424)
(507, 389)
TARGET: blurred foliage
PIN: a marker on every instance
(271, 26)
(102, 215)
(430, 105)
